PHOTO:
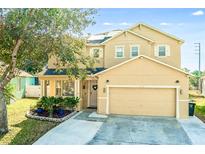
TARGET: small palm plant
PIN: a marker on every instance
(8, 93)
(71, 102)
(48, 103)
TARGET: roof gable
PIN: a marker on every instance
(158, 30)
(143, 56)
(128, 31)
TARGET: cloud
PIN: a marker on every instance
(198, 13)
(124, 24)
(107, 24)
(171, 24)
(165, 24)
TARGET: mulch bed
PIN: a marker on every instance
(55, 115)
(201, 117)
(45, 116)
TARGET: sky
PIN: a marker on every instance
(187, 24)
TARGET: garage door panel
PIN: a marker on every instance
(141, 101)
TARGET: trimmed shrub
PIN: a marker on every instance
(52, 103)
(71, 102)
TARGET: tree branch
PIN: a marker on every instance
(6, 71)
(11, 73)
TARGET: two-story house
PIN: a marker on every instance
(137, 73)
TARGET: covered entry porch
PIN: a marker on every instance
(63, 86)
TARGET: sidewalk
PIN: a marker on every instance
(70, 132)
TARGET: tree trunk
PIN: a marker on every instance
(3, 114)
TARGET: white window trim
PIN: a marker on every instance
(167, 48)
(121, 46)
(100, 54)
(60, 87)
(134, 45)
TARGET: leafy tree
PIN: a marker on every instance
(8, 93)
(186, 70)
(30, 36)
(194, 81)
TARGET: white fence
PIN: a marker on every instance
(203, 87)
(33, 91)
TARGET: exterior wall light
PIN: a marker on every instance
(104, 90)
(181, 91)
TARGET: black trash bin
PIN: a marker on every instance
(191, 108)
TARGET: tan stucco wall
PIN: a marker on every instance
(86, 51)
(127, 39)
(143, 72)
(175, 54)
(51, 62)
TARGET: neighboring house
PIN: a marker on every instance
(20, 83)
(203, 86)
(138, 73)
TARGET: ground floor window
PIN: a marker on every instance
(58, 88)
(68, 88)
(65, 88)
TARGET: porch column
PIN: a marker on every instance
(42, 87)
(77, 88)
(77, 94)
(52, 87)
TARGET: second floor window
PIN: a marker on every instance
(119, 52)
(96, 52)
(134, 51)
(162, 51)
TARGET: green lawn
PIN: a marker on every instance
(21, 129)
(200, 104)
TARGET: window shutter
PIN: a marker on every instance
(167, 50)
(156, 51)
(101, 53)
(91, 52)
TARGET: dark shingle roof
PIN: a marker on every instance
(96, 70)
(64, 71)
(98, 41)
(55, 72)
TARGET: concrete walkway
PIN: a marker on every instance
(195, 129)
(70, 132)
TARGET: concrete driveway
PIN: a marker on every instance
(140, 130)
(90, 128)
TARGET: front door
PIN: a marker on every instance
(93, 93)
